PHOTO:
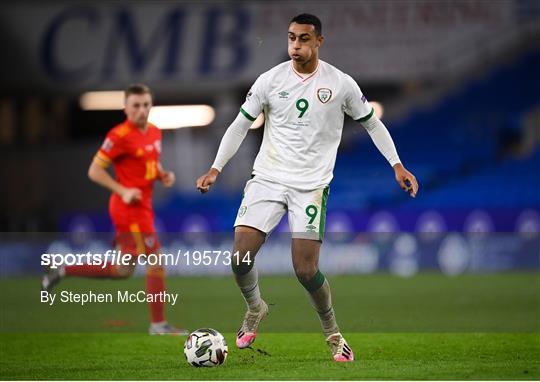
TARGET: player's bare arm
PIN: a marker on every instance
(407, 181)
(167, 178)
(205, 181)
(98, 174)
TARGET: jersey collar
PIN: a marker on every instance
(301, 77)
(133, 126)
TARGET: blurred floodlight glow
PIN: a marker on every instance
(176, 117)
(378, 108)
(258, 122)
(105, 100)
(164, 117)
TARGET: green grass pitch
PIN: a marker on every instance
(472, 327)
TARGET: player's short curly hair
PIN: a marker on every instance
(306, 18)
(137, 89)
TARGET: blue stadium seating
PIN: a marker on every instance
(453, 148)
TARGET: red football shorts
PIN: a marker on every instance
(134, 229)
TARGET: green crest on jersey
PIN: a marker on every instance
(324, 95)
(283, 94)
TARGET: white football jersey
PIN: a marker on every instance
(303, 122)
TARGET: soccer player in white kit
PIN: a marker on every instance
(304, 101)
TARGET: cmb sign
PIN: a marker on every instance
(75, 46)
(123, 39)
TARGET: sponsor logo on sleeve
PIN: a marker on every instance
(107, 145)
(242, 211)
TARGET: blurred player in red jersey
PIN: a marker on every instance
(133, 147)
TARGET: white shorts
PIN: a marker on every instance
(265, 202)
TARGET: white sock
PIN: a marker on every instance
(321, 300)
(249, 286)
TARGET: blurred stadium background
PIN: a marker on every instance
(457, 84)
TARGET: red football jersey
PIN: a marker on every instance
(135, 158)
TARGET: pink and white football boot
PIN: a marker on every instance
(248, 331)
(341, 350)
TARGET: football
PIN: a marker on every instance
(205, 347)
